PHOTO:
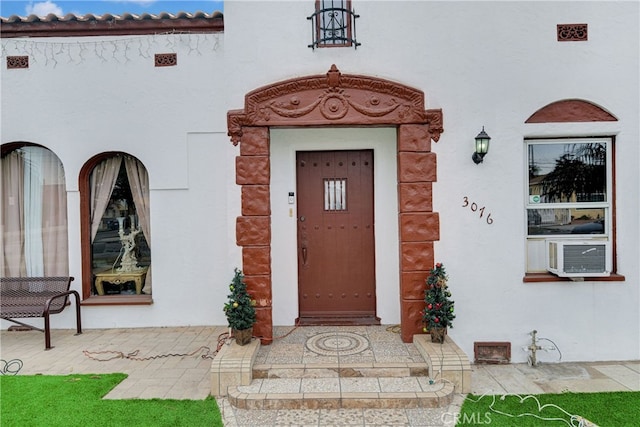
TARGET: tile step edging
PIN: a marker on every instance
(333, 400)
(352, 370)
(446, 362)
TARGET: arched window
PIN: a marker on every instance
(34, 212)
(115, 227)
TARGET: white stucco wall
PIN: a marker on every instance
(488, 64)
(173, 119)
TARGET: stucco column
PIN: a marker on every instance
(419, 225)
(253, 227)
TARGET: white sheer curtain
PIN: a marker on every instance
(55, 243)
(33, 182)
(139, 184)
(13, 264)
(34, 214)
(103, 179)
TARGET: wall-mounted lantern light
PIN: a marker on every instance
(482, 146)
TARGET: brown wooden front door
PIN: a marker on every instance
(336, 258)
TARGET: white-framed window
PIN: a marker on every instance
(568, 194)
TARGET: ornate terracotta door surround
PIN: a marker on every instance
(335, 99)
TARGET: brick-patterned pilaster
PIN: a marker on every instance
(253, 228)
(419, 225)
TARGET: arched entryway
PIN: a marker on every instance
(335, 99)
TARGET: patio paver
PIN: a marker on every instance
(189, 377)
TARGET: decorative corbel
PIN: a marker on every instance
(235, 119)
(434, 118)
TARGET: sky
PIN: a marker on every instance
(100, 7)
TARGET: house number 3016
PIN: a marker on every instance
(474, 208)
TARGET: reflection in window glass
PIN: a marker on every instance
(567, 172)
(566, 221)
(333, 22)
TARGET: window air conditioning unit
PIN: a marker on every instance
(576, 258)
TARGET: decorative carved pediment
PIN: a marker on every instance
(333, 99)
(571, 110)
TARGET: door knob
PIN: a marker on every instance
(302, 218)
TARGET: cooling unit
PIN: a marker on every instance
(574, 258)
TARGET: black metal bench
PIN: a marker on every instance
(24, 297)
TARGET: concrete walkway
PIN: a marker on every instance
(188, 376)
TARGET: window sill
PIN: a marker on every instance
(548, 277)
(117, 300)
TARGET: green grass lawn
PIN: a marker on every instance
(618, 409)
(76, 400)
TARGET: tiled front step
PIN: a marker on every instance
(294, 394)
(349, 370)
(334, 386)
(446, 361)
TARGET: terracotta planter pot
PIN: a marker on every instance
(438, 334)
(243, 337)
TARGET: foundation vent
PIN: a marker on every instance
(492, 352)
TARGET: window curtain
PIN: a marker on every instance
(34, 214)
(13, 263)
(139, 184)
(33, 182)
(55, 242)
(103, 179)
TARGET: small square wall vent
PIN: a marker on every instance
(166, 59)
(17, 62)
(572, 32)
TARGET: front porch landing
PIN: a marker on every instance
(341, 367)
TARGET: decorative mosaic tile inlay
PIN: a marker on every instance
(340, 343)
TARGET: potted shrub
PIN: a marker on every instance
(240, 310)
(438, 311)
